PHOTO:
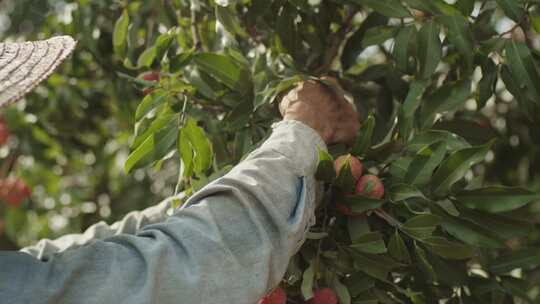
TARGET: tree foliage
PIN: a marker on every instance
(448, 91)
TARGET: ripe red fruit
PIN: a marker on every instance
(354, 163)
(151, 76)
(323, 296)
(4, 132)
(14, 191)
(370, 186)
(277, 296)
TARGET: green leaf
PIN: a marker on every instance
(451, 140)
(514, 86)
(225, 70)
(307, 281)
(378, 35)
(523, 67)
(286, 29)
(377, 266)
(447, 249)
(363, 140)
(357, 226)
(397, 248)
(465, 6)
(460, 36)
(185, 150)
(325, 169)
(526, 258)
(503, 226)
(425, 265)
(147, 57)
(486, 87)
(496, 198)
(370, 243)
(345, 180)
(424, 163)
(389, 8)
(429, 49)
(403, 47)
(150, 102)
(120, 34)
(401, 192)
(535, 21)
(512, 9)
(449, 97)
(342, 292)
(470, 233)
(360, 204)
(154, 147)
(455, 166)
(421, 226)
(179, 61)
(358, 283)
(414, 97)
(353, 47)
(228, 19)
(202, 147)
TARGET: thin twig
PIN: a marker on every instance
(336, 43)
(194, 29)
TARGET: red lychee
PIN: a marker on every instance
(370, 186)
(323, 296)
(277, 296)
(354, 163)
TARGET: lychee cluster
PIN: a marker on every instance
(368, 185)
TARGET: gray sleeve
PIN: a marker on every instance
(229, 243)
(131, 223)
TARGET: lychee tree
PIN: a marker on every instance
(438, 199)
(421, 73)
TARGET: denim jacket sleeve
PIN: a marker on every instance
(229, 243)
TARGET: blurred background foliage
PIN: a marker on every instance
(146, 73)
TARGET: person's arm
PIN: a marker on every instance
(131, 223)
(230, 243)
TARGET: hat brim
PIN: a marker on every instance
(24, 65)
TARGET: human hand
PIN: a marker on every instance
(322, 108)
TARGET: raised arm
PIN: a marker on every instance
(230, 243)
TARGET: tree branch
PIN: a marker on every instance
(335, 44)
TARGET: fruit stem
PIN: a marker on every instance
(387, 217)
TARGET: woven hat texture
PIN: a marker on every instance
(23, 65)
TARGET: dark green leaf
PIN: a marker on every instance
(465, 6)
(401, 192)
(449, 97)
(377, 266)
(425, 265)
(421, 226)
(353, 47)
(225, 70)
(325, 169)
(512, 9)
(360, 204)
(358, 283)
(448, 249)
(389, 8)
(455, 166)
(370, 243)
(515, 87)
(429, 49)
(523, 67)
(496, 198)
(378, 35)
(527, 259)
(363, 141)
(486, 87)
(228, 19)
(402, 47)
(451, 140)
(357, 227)
(397, 249)
(424, 163)
(460, 36)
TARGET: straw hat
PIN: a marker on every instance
(24, 65)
